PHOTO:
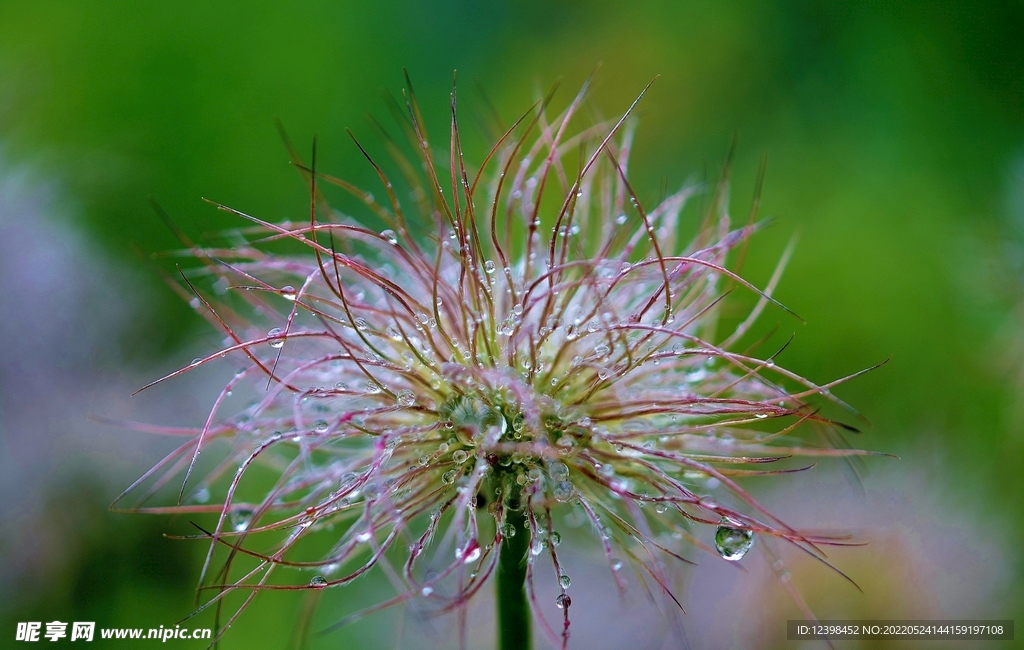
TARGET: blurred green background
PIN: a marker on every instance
(895, 142)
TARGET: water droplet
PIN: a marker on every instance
(621, 219)
(321, 426)
(472, 555)
(390, 236)
(318, 581)
(565, 581)
(660, 508)
(393, 332)
(363, 537)
(732, 543)
(558, 470)
(489, 266)
(426, 591)
(555, 537)
(372, 387)
(616, 564)
(406, 398)
(276, 342)
(288, 292)
(460, 456)
(562, 491)
(449, 476)
(361, 324)
(563, 601)
(202, 495)
(240, 519)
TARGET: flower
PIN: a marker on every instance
(535, 342)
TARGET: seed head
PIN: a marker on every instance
(525, 336)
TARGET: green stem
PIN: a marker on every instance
(513, 607)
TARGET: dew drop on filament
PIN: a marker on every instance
(732, 543)
(276, 342)
(240, 520)
(318, 581)
(406, 398)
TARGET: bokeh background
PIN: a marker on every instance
(894, 134)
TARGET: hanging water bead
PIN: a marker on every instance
(321, 426)
(240, 520)
(275, 342)
(562, 491)
(318, 581)
(460, 456)
(536, 546)
(558, 470)
(565, 581)
(563, 601)
(288, 292)
(732, 543)
(390, 236)
(406, 397)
